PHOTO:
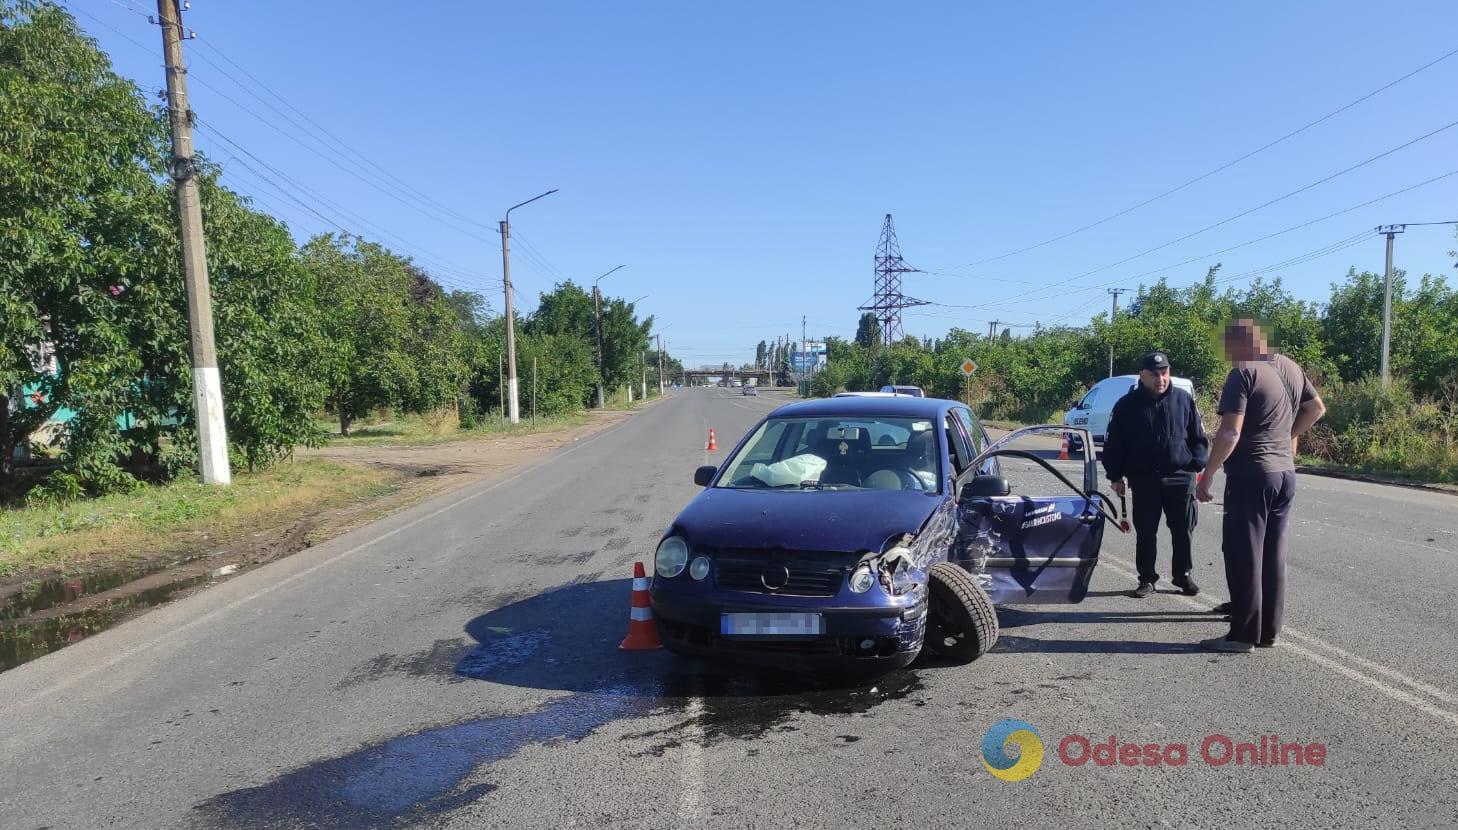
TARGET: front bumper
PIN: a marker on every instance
(856, 639)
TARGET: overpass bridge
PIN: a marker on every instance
(761, 376)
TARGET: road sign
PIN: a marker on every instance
(968, 367)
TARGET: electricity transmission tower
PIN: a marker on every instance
(889, 300)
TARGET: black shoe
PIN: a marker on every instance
(1187, 586)
(1267, 643)
(1222, 608)
(1144, 590)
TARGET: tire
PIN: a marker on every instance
(961, 622)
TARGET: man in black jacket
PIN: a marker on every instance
(1155, 441)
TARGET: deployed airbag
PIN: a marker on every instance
(791, 471)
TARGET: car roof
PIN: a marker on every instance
(866, 406)
(1135, 379)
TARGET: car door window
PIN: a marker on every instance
(957, 446)
(972, 427)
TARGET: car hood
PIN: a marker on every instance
(810, 520)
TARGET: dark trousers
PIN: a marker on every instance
(1257, 510)
(1172, 497)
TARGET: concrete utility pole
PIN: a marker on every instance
(992, 329)
(511, 381)
(1115, 313)
(660, 366)
(1389, 231)
(597, 316)
(207, 386)
(804, 344)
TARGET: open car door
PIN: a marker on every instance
(1032, 534)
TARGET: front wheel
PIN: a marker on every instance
(961, 622)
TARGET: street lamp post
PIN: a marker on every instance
(660, 358)
(513, 403)
(597, 316)
(642, 369)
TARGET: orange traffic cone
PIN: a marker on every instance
(642, 635)
(712, 446)
(1063, 452)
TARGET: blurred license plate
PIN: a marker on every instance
(770, 625)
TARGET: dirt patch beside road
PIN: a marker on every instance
(447, 465)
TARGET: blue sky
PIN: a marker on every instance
(739, 158)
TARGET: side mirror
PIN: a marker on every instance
(704, 475)
(985, 487)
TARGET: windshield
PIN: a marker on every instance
(838, 454)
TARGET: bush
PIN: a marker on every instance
(1386, 429)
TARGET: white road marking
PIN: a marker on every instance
(1332, 663)
(139, 648)
(691, 766)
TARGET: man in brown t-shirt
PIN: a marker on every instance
(1266, 404)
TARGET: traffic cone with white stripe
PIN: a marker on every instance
(642, 636)
(712, 446)
(1063, 453)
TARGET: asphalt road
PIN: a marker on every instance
(456, 665)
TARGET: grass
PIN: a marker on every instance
(623, 405)
(169, 517)
(435, 429)
(1446, 479)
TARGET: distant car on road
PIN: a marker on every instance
(1093, 412)
(844, 534)
(914, 391)
(750, 390)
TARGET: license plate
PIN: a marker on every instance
(777, 624)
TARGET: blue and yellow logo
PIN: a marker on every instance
(998, 745)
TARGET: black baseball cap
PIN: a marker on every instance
(1154, 361)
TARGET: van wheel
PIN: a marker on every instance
(961, 622)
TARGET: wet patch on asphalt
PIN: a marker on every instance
(426, 774)
(26, 636)
(412, 777)
(562, 640)
(740, 706)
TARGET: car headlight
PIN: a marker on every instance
(700, 568)
(862, 580)
(671, 558)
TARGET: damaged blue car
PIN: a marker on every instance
(852, 533)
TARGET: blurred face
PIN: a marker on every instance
(1244, 342)
(1155, 380)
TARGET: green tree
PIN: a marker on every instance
(88, 234)
(81, 210)
(1352, 324)
(394, 343)
(868, 332)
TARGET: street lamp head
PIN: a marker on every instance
(527, 202)
(599, 279)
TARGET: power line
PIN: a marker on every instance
(428, 212)
(1219, 169)
(461, 275)
(1042, 296)
(331, 136)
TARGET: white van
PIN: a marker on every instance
(1093, 412)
